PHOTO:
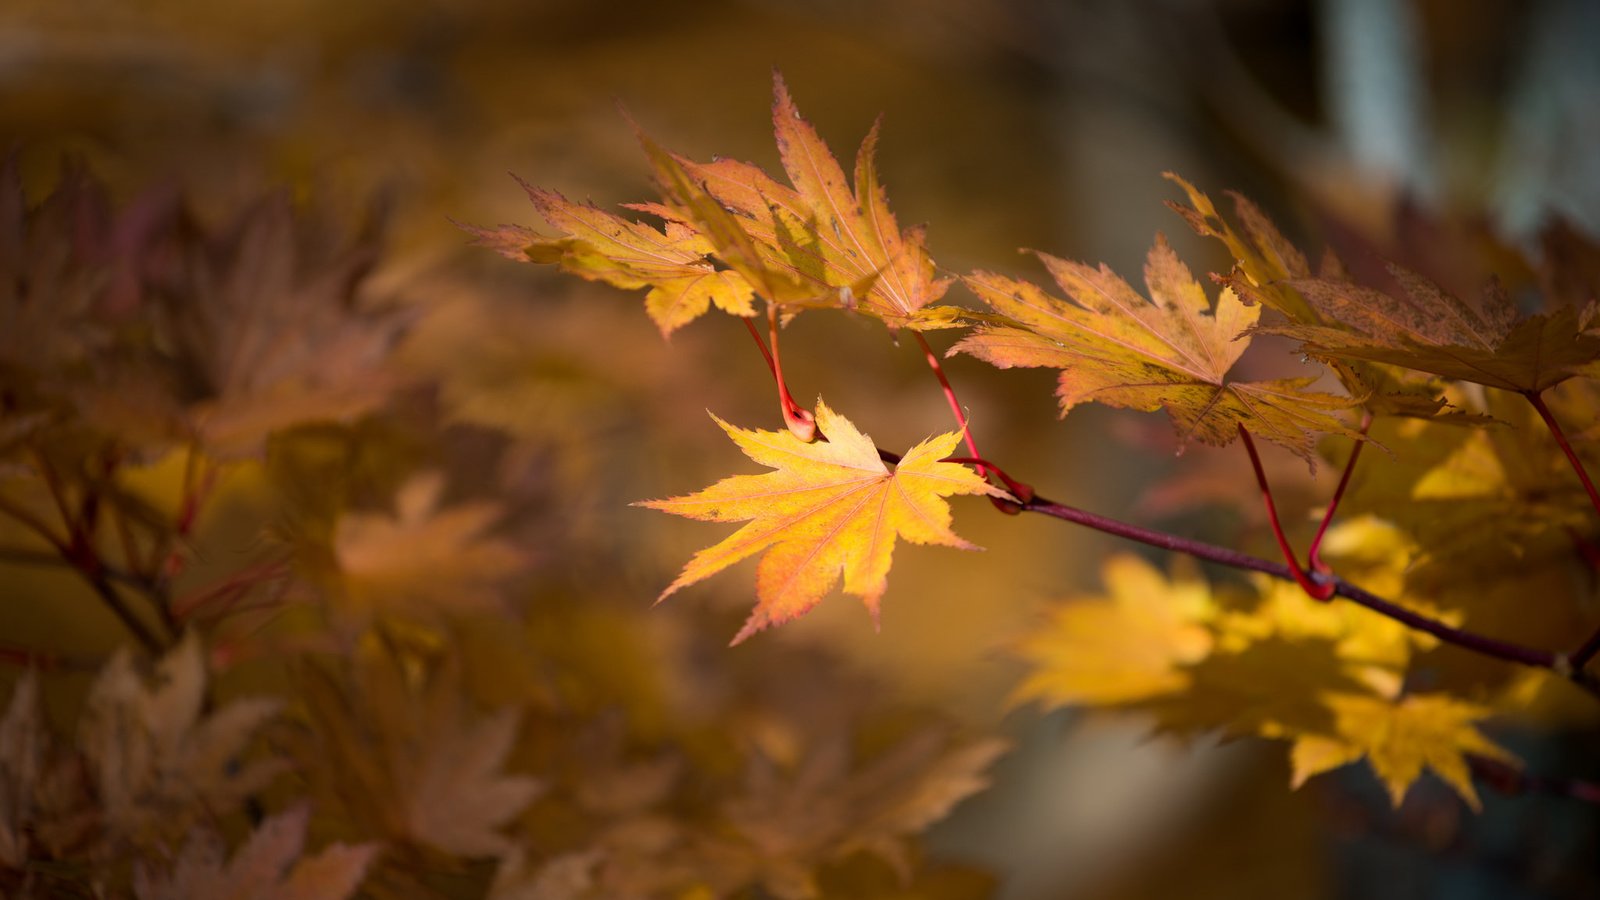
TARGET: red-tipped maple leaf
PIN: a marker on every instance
(824, 229)
(829, 507)
(601, 246)
(1173, 351)
(733, 232)
(1266, 267)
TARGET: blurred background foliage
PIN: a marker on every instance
(533, 408)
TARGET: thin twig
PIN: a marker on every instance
(46, 661)
(102, 587)
(33, 523)
(25, 557)
(1508, 779)
(76, 552)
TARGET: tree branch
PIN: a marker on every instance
(1558, 663)
(1508, 779)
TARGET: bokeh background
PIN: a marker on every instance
(1018, 123)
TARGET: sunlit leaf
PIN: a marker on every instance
(1173, 351)
(600, 246)
(830, 507)
(1128, 645)
(1400, 738)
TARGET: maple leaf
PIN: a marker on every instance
(1266, 265)
(1261, 253)
(269, 325)
(1425, 328)
(460, 797)
(410, 759)
(567, 877)
(1399, 738)
(424, 557)
(823, 229)
(734, 245)
(269, 866)
(832, 506)
(600, 246)
(1129, 645)
(1173, 351)
(1500, 494)
(156, 761)
(1375, 649)
(70, 268)
(828, 808)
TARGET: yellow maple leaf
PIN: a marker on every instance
(425, 558)
(788, 821)
(1423, 327)
(1128, 645)
(1173, 351)
(824, 229)
(1261, 253)
(1266, 265)
(1399, 738)
(601, 246)
(829, 507)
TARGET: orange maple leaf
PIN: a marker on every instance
(600, 246)
(822, 229)
(1173, 351)
(829, 507)
(1425, 328)
(1266, 268)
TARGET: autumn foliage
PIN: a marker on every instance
(350, 645)
(1199, 658)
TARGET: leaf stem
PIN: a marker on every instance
(1590, 647)
(1314, 553)
(984, 468)
(950, 398)
(801, 423)
(1316, 590)
(1537, 399)
(1019, 489)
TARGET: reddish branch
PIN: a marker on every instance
(1334, 586)
(1508, 779)
(77, 550)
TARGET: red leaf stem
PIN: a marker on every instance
(799, 420)
(1314, 554)
(1316, 590)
